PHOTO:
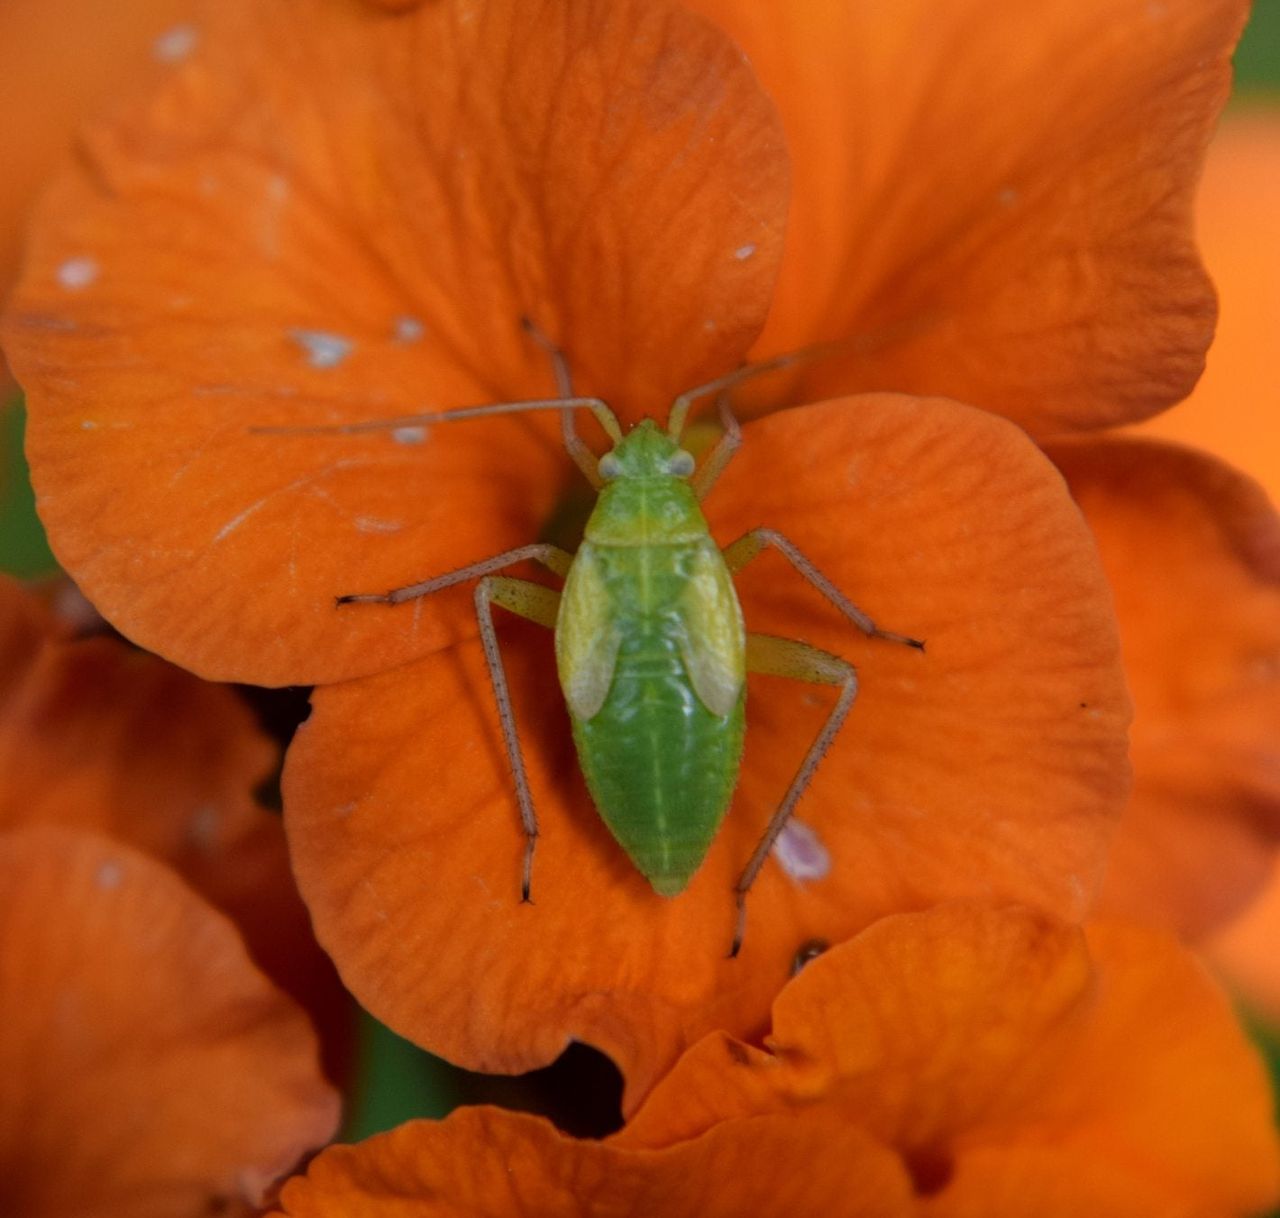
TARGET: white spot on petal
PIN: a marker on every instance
(409, 435)
(800, 852)
(109, 875)
(1007, 197)
(323, 350)
(743, 252)
(408, 329)
(373, 524)
(87, 424)
(78, 273)
(175, 44)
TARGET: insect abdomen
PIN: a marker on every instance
(660, 766)
(650, 643)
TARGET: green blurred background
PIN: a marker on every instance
(394, 1080)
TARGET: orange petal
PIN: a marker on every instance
(1192, 550)
(25, 624)
(1016, 1069)
(1231, 411)
(1244, 953)
(331, 217)
(61, 62)
(994, 763)
(484, 1160)
(995, 204)
(149, 1068)
(95, 735)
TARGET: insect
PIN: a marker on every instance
(651, 648)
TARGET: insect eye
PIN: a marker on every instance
(609, 467)
(680, 464)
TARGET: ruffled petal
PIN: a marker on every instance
(994, 204)
(1232, 409)
(62, 62)
(486, 1161)
(329, 217)
(1015, 1065)
(95, 735)
(150, 1070)
(1192, 552)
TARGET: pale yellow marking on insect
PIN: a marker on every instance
(713, 646)
(587, 638)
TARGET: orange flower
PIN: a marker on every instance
(1192, 551)
(338, 225)
(994, 207)
(965, 1061)
(345, 217)
(993, 764)
(149, 1068)
(1230, 414)
(61, 62)
(275, 241)
(96, 736)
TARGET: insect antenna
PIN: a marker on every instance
(679, 414)
(859, 344)
(582, 455)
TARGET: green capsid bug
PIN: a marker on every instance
(651, 648)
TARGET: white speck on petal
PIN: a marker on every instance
(409, 435)
(175, 44)
(87, 424)
(373, 524)
(743, 252)
(800, 852)
(1007, 197)
(78, 273)
(109, 876)
(323, 350)
(236, 521)
(408, 329)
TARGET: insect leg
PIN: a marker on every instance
(552, 557)
(574, 444)
(720, 456)
(738, 553)
(540, 605)
(777, 657)
(559, 364)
